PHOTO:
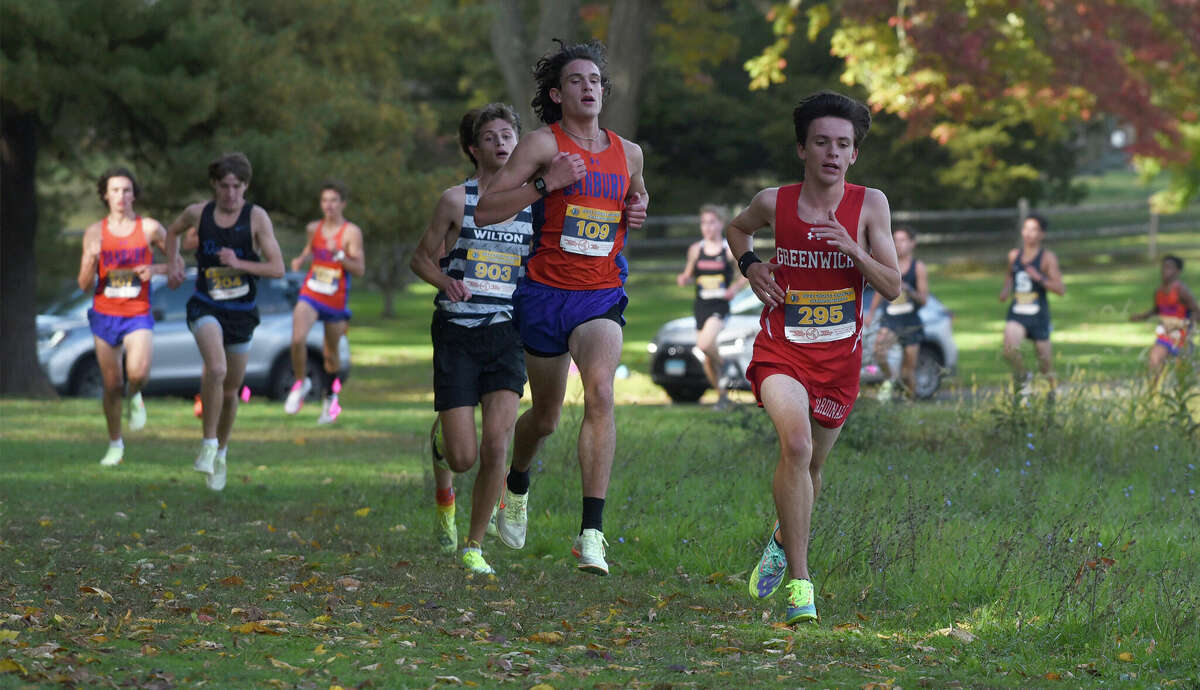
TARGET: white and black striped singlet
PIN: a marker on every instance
(489, 260)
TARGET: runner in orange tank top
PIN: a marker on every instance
(117, 265)
(805, 367)
(587, 182)
(1176, 309)
(336, 248)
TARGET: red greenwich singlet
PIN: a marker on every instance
(576, 245)
(819, 325)
(120, 292)
(327, 282)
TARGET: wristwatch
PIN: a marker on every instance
(540, 185)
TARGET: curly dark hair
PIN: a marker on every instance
(102, 184)
(476, 118)
(831, 104)
(548, 75)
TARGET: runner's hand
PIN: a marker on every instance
(564, 170)
(836, 235)
(143, 272)
(762, 280)
(456, 291)
(296, 262)
(175, 273)
(227, 256)
(635, 211)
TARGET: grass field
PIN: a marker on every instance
(980, 542)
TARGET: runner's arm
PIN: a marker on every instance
(1050, 277)
(740, 235)
(922, 294)
(307, 251)
(878, 264)
(186, 220)
(536, 155)
(156, 237)
(689, 265)
(1008, 278)
(264, 236)
(1189, 301)
(637, 199)
(447, 218)
(355, 260)
(89, 262)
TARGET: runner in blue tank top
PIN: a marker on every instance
(477, 354)
(222, 315)
(1032, 270)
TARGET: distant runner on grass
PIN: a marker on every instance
(1032, 271)
(1176, 309)
(335, 246)
(587, 184)
(831, 239)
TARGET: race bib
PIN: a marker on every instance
(324, 280)
(900, 306)
(122, 284)
(711, 286)
(589, 231)
(491, 273)
(225, 282)
(1026, 303)
(819, 316)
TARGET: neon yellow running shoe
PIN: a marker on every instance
(771, 569)
(801, 608)
(472, 558)
(446, 531)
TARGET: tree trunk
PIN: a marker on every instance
(20, 373)
(628, 59)
(516, 53)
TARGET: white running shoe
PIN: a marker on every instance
(330, 409)
(137, 412)
(113, 457)
(512, 520)
(589, 549)
(204, 461)
(216, 480)
(886, 390)
(296, 396)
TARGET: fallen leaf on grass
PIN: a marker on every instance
(846, 626)
(286, 666)
(1052, 676)
(8, 635)
(10, 666)
(253, 627)
(233, 581)
(362, 512)
(350, 584)
(957, 633)
(1125, 656)
(551, 637)
(88, 589)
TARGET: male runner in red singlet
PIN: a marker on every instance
(710, 263)
(1176, 309)
(117, 250)
(586, 184)
(831, 239)
(222, 315)
(336, 247)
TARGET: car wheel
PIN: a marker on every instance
(86, 380)
(684, 394)
(928, 373)
(282, 377)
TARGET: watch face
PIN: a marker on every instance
(540, 185)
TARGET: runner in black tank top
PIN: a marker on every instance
(222, 314)
(900, 321)
(710, 263)
(1032, 270)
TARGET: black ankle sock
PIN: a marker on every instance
(328, 384)
(518, 482)
(593, 514)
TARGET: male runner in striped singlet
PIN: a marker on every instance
(336, 247)
(587, 185)
(1032, 270)
(1176, 309)
(900, 322)
(710, 263)
(117, 251)
(831, 239)
(477, 356)
(222, 314)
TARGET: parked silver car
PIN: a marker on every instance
(66, 349)
(676, 365)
